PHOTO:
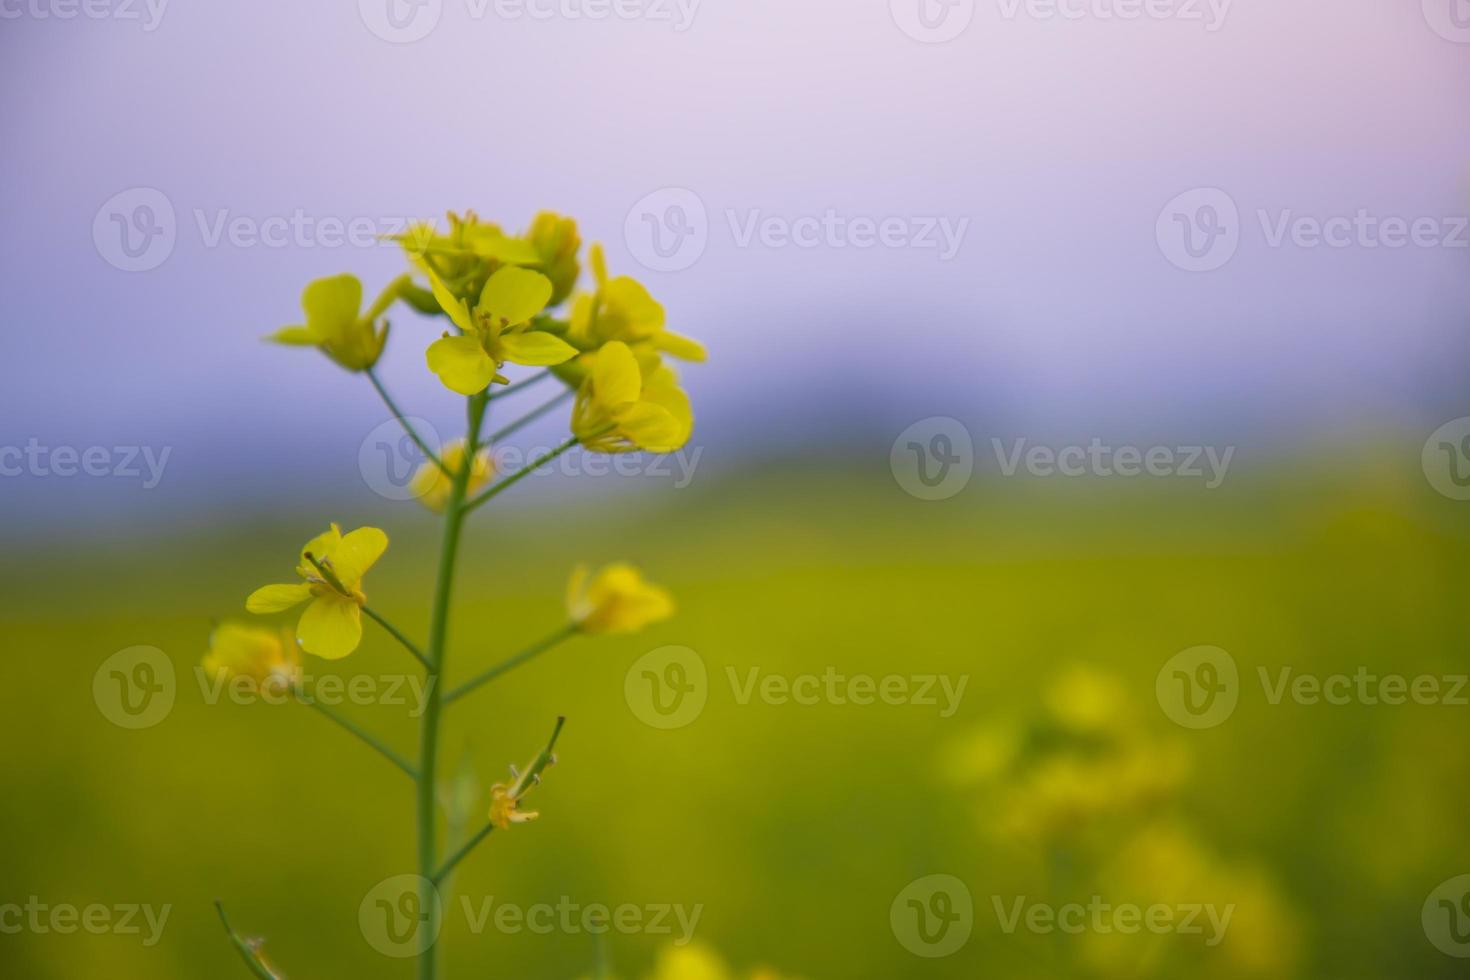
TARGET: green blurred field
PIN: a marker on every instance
(793, 826)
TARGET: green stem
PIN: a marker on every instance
(394, 632)
(403, 421)
(249, 952)
(526, 420)
(370, 739)
(461, 854)
(509, 664)
(454, 512)
(518, 475)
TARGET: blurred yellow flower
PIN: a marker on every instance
(268, 657)
(333, 322)
(331, 627)
(695, 961)
(431, 486)
(615, 600)
(495, 332)
(556, 242)
(622, 309)
(620, 409)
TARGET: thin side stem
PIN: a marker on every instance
(418, 440)
(510, 663)
(454, 515)
(397, 635)
(527, 419)
(248, 952)
(372, 740)
(461, 854)
(525, 383)
(519, 475)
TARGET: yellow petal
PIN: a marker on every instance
(331, 305)
(297, 336)
(651, 427)
(677, 346)
(615, 376)
(331, 627)
(513, 295)
(277, 598)
(461, 364)
(357, 553)
(536, 349)
(448, 302)
(599, 264)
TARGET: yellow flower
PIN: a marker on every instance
(269, 657)
(620, 408)
(556, 241)
(333, 322)
(432, 487)
(505, 798)
(503, 808)
(331, 627)
(615, 600)
(690, 962)
(496, 332)
(622, 309)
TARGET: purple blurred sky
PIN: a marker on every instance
(1060, 140)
